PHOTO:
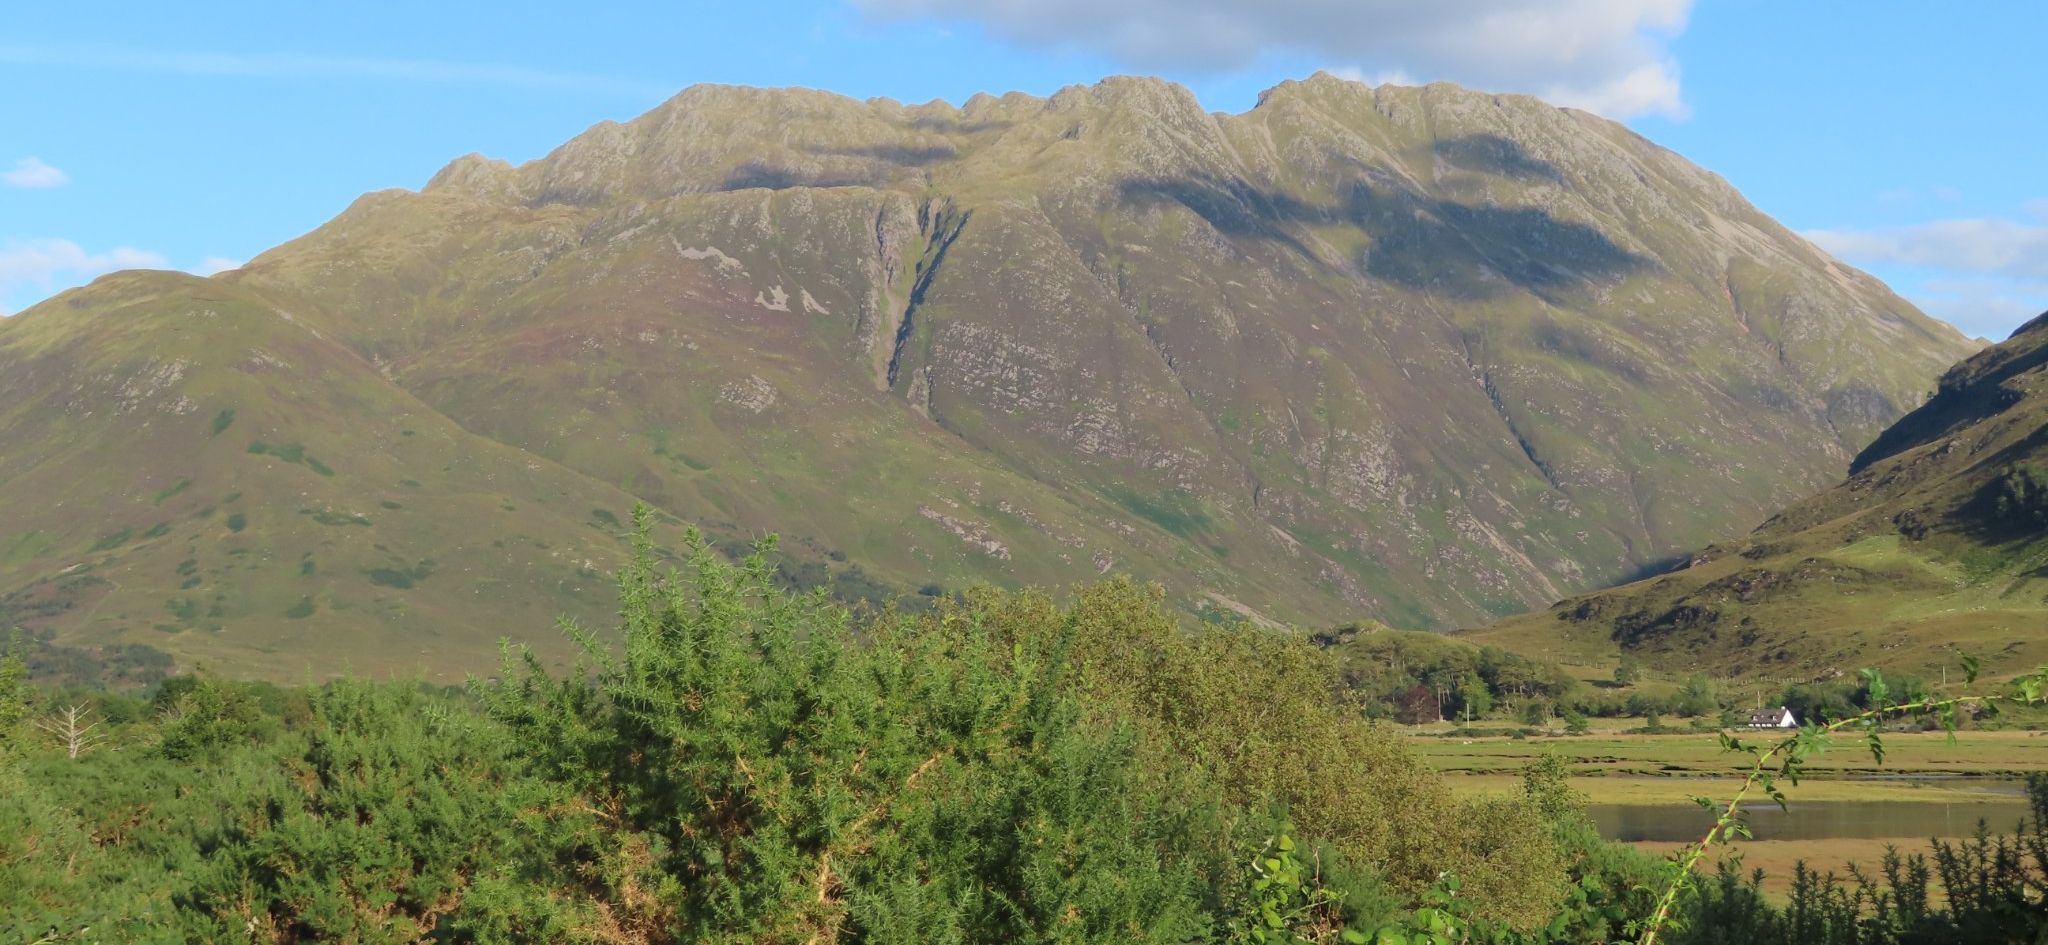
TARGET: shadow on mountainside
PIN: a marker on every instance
(1493, 154)
(1970, 392)
(765, 176)
(1419, 242)
(850, 166)
(957, 126)
(899, 155)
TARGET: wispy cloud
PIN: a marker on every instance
(1985, 275)
(32, 172)
(1609, 56)
(214, 265)
(1986, 307)
(309, 66)
(42, 266)
(1988, 246)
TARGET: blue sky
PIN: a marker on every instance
(1907, 141)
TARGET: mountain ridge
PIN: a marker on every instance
(1426, 355)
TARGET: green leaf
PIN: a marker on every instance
(1969, 668)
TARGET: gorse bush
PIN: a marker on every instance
(745, 772)
(1268, 719)
(744, 764)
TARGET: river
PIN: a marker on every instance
(1819, 820)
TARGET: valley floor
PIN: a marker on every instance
(1608, 760)
(1927, 787)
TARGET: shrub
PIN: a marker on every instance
(204, 718)
(763, 778)
(2022, 494)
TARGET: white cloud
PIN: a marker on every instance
(42, 266)
(1986, 307)
(1387, 77)
(1985, 246)
(32, 172)
(1609, 56)
(214, 265)
(1984, 275)
(300, 66)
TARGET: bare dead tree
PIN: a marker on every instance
(75, 727)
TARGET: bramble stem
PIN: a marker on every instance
(1794, 749)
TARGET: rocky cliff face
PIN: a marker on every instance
(1423, 354)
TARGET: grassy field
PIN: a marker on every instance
(1616, 763)
(1661, 791)
(1777, 858)
(1610, 766)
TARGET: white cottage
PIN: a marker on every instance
(1779, 717)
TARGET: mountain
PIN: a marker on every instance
(1936, 546)
(1422, 354)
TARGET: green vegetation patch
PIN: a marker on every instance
(28, 547)
(112, 541)
(236, 521)
(301, 610)
(223, 420)
(293, 453)
(402, 578)
(171, 490)
(1175, 510)
(388, 577)
(185, 609)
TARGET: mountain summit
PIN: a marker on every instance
(1424, 354)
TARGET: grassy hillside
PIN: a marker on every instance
(1935, 546)
(218, 481)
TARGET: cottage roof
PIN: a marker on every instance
(1770, 716)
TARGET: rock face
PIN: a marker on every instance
(1936, 546)
(1422, 354)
